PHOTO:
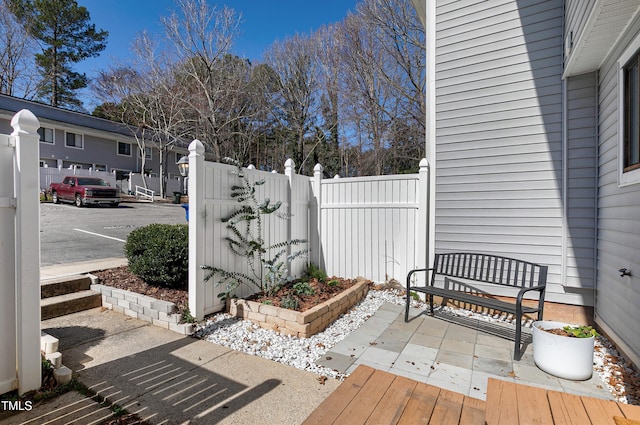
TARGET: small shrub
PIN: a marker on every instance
(159, 254)
(333, 282)
(303, 288)
(289, 302)
(315, 272)
(267, 302)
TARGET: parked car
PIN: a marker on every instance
(84, 191)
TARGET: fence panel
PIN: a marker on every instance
(7, 269)
(369, 226)
(373, 227)
(20, 256)
(50, 175)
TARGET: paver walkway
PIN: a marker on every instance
(444, 354)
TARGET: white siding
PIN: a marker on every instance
(581, 183)
(618, 220)
(499, 132)
(576, 15)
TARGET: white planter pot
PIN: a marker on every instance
(562, 356)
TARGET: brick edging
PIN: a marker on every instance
(143, 307)
(301, 324)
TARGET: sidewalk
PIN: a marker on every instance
(170, 379)
(59, 270)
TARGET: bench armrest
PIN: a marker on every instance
(414, 271)
(540, 288)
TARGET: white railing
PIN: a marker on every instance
(20, 256)
(374, 227)
(143, 193)
(153, 183)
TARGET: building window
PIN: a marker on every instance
(73, 140)
(631, 114)
(124, 149)
(46, 135)
(147, 153)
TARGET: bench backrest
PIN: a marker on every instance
(490, 269)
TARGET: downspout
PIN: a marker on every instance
(596, 190)
(565, 192)
(430, 34)
(565, 154)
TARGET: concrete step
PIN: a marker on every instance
(64, 285)
(61, 305)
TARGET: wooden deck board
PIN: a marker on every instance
(331, 407)
(533, 406)
(420, 406)
(502, 403)
(365, 402)
(473, 411)
(392, 405)
(448, 408)
(567, 409)
(601, 412)
(372, 396)
(630, 411)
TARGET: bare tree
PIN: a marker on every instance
(331, 88)
(17, 50)
(151, 102)
(402, 37)
(201, 37)
(297, 108)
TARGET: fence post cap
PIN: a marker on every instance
(196, 146)
(424, 163)
(318, 168)
(24, 122)
(289, 163)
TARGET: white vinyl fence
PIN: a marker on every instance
(374, 227)
(50, 175)
(20, 256)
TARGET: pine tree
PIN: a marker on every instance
(64, 30)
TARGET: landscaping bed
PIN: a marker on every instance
(321, 308)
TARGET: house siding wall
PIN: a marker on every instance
(581, 183)
(499, 129)
(618, 219)
(576, 16)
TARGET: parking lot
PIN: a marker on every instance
(69, 234)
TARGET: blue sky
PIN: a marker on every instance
(263, 21)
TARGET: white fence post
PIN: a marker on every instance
(196, 229)
(422, 217)
(27, 189)
(317, 192)
(289, 171)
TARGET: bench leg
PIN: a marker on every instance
(407, 304)
(431, 304)
(518, 342)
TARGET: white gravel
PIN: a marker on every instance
(302, 353)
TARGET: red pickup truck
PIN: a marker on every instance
(84, 191)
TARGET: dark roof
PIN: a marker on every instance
(40, 110)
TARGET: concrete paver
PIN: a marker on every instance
(446, 354)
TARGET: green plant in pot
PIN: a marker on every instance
(564, 350)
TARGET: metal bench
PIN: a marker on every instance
(486, 269)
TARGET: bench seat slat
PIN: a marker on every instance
(472, 299)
